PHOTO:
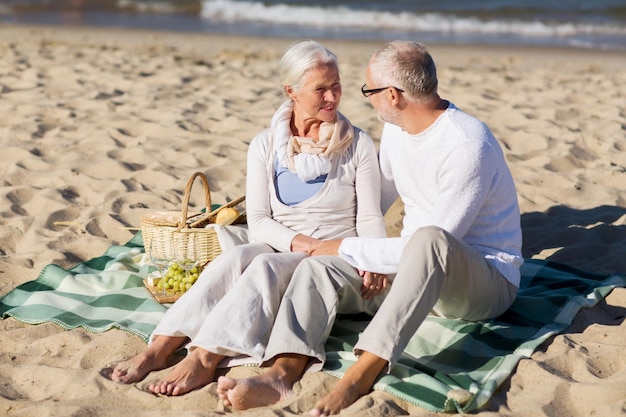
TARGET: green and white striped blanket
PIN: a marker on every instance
(444, 359)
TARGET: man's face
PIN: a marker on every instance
(381, 101)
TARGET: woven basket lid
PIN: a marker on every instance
(164, 218)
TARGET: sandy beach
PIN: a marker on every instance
(98, 127)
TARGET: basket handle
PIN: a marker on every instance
(207, 217)
(187, 195)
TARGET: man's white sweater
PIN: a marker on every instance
(452, 175)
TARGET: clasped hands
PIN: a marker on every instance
(373, 283)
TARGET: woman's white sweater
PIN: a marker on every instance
(347, 205)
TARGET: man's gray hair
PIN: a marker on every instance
(301, 58)
(406, 65)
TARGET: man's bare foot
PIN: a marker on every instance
(257, 391)
(195, 371)
(136, 369)
(357, 381)
(343, 395)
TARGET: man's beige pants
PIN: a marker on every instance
(438, 274)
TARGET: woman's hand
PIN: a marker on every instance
(326, 247)
(373, 284)
(302, 243)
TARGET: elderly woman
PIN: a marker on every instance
(311, 176)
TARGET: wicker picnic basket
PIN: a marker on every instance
(168, 234)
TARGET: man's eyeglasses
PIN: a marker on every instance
(368, 92)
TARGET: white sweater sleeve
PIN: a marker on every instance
(373, 255)
(369, 219)
(262, 226)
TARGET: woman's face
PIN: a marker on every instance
(319, 96)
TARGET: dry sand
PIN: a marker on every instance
(97, 127)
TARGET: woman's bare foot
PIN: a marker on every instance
(274, 385)
(155, 358)
(195, 371)
(257, 391)
(136, 369)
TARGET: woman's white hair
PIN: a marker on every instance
(406, 65)
(301, 58)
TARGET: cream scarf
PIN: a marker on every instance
(303, 156)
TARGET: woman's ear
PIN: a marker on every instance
(290, 92)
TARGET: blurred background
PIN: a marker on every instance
(596, 24)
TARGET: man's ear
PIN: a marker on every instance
(398, 100)
(395, 96)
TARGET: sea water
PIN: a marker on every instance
(598, 24)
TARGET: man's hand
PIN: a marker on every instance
(373, 284)
(326, 247)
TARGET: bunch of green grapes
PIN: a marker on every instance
(176, 280)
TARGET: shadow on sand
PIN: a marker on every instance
(591, 239)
